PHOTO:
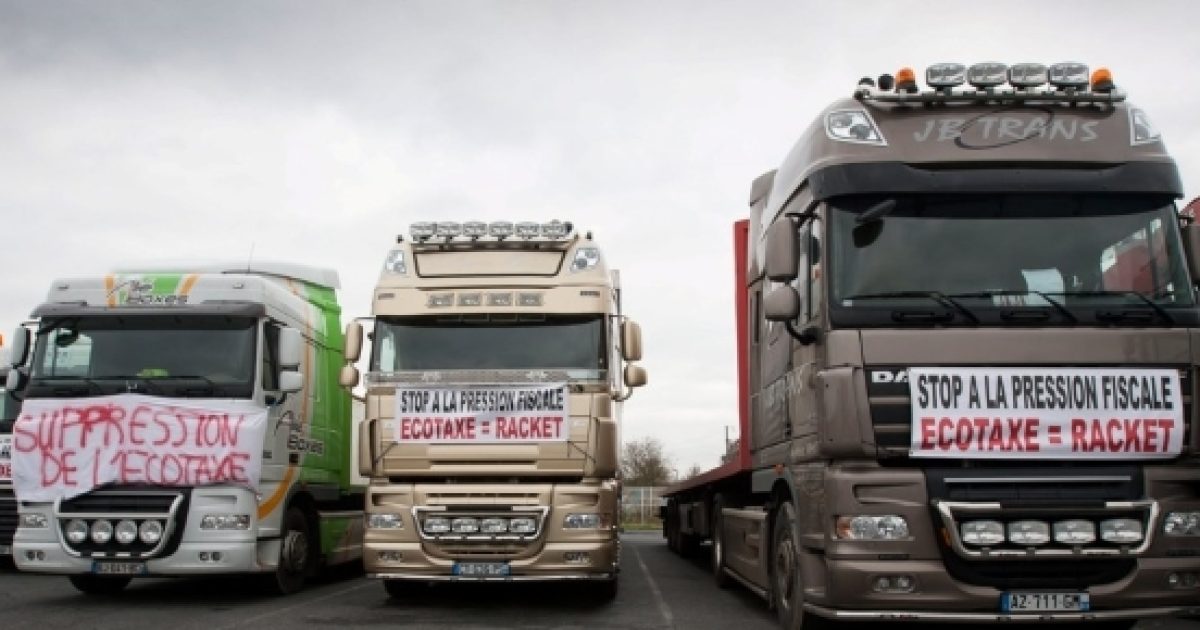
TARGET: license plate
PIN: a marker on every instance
(1045, 602)
(118, 568)
(5, 550)
(481, 569)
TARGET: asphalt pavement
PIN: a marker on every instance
(658, 590)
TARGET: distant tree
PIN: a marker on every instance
(643, 463)
(694, 471)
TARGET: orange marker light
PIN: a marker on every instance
(906, 80)
(1102, 80)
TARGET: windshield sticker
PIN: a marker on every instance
(483, 414)
(64, 447)
(1052, 413)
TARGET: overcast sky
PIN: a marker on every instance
(316, 131)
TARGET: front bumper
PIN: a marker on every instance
(237, 557)
(548, 564)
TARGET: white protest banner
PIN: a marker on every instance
(5, 458)
(1046, 413)
(481, 414)
(64, 447)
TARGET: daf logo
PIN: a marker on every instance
(888, 376)
(430, 377)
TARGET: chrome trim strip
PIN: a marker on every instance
(1081, 479)
(916, 615)
(421, 577)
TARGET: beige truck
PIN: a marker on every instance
(498, 363)
(968, 340)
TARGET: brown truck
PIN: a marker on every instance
(967, 340)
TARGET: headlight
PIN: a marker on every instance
(1182, 524)
(1121, 530)
(437, 525)
(1029, 532)
(384, 521)
(585, 258)
(853, 125)
(1075, 532)
(584, 521)
(522, 525)
(76, 531)
(493, 526)
(464, 525)
(889, 527)
(126, 532)
(150, 532)
(982, 532)
(33, 521)
(102, 531)
(225, 521)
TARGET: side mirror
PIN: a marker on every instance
(635, 376)
(15, 381)
(1191, 250)
(290, 381)
(631, 341)
(782, 304)
(348, 377)
(20, 346)
(291, 348)
(354, 338)
(783, 250)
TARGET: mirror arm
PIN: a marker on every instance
(806, 337)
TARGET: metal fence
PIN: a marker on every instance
(639, 504)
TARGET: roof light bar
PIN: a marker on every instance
(555, 229)
(421, 230)
(1068, 75)
(946, 75)
(500, 229)
(475, 229)
(986, 75)
(1027, 75)
(448, 229)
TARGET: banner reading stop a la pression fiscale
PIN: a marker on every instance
(481, 414)
(1046, 413)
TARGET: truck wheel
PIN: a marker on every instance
(672, 526)
(718, 543)
(97, 585)
(787, 581)
(295, 555)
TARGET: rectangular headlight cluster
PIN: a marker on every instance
(1032, 533)
(1182, 524)
(886, 527)
(225, 521)
(472, 525)
(586, 521)
(385, 521)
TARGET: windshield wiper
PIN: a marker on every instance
(52, 382)
(212, 386)
(1058, 306)
(1159, 310)
(151, 387)
(937, 296)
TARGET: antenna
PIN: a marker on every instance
(250, 258)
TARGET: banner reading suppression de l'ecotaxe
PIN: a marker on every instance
(482, 413)
(1050, 413)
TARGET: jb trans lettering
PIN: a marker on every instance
(497, 413)
(65, 447)
(1074, 413)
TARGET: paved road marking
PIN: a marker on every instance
(658, 596)
(276, 611)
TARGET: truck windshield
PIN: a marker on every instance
(1109, 259)
(566, 342)
(191, 356)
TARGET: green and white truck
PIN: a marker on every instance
(185, 420)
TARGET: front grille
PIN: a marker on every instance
(8, 515)
(168, 507)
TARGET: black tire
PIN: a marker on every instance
(787, 580)
(721, 578)
(296, 557)
(99, 585)
(672, 527)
